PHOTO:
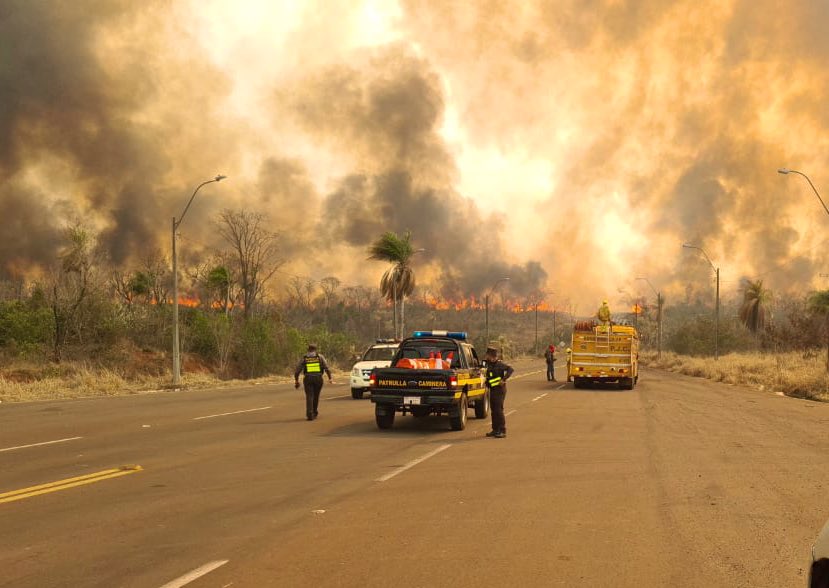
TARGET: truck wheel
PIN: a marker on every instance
(578, 382)
(482, 406)
(458, 423)
(626, 383)
(385, 419)
(356, 393)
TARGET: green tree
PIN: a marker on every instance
(72, 281)
(219, 283)
(399, 280)
(754, 308)
(818, 303)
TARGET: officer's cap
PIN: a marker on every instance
(312, 347)
(492, 350)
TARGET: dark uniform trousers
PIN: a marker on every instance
(313, 387)
(551, 370)
(497, 395)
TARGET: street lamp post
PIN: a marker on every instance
(717, 324)
(176, 224)
(486, 308)
(786, 171)
(659, 302)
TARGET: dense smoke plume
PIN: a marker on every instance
(569, 145)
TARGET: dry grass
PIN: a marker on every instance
(793, 373)
(26, 382)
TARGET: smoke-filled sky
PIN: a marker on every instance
(572, 145)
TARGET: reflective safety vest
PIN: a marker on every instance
(313, 365)
(494, 378)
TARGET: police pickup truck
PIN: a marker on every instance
(433, 372)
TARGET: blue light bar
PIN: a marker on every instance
(459, 335)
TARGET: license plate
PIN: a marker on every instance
(411, 400)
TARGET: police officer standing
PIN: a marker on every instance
(312, 365)
(497, 374)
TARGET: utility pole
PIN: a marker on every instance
(717, 327)
(555, 337)
(536, 328)
(659, 301)
(717, 312)
(486, 308)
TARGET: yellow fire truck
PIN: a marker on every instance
(604, 354)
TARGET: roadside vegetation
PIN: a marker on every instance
(89, 327)
(797, 374)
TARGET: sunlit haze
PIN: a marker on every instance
(573, 145)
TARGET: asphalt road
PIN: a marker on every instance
(681, 482)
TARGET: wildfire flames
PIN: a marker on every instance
(473, 303)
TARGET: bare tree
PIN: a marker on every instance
(329, 287)
(300, 291)
(255, 249)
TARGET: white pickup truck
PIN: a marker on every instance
(378, 355)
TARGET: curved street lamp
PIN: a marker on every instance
(176, 224)
(486, 306)
(717, 324)
(786, 171)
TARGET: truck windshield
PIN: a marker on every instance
(380, 354)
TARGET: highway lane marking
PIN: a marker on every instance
(195, 574)
(335, 397)
(39, 444)
(413, 463)
(525, 375)
(213, 416)
(539, 397)
(68, 483)
(510, 412)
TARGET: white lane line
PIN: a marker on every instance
(525, 375)
(413, 463)
(510, 412)
(39, 444)
(213, 416)
(539, 397)
(195, 574)
(335, 397)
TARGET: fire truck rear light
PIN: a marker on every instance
(372, 380)
(453, 381)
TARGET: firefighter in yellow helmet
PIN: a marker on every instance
(603, 313)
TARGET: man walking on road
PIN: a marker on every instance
(312, 365)
(497, 374)
(550, 356)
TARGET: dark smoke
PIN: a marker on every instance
(75, 81)
(388, 114)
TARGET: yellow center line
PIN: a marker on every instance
(68, 483)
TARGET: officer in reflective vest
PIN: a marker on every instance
(312, 365)
(497, 374)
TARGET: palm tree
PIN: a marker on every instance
(819, 304)
(399, 280)
(754, 308)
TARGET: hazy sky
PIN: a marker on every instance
(573, 145)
